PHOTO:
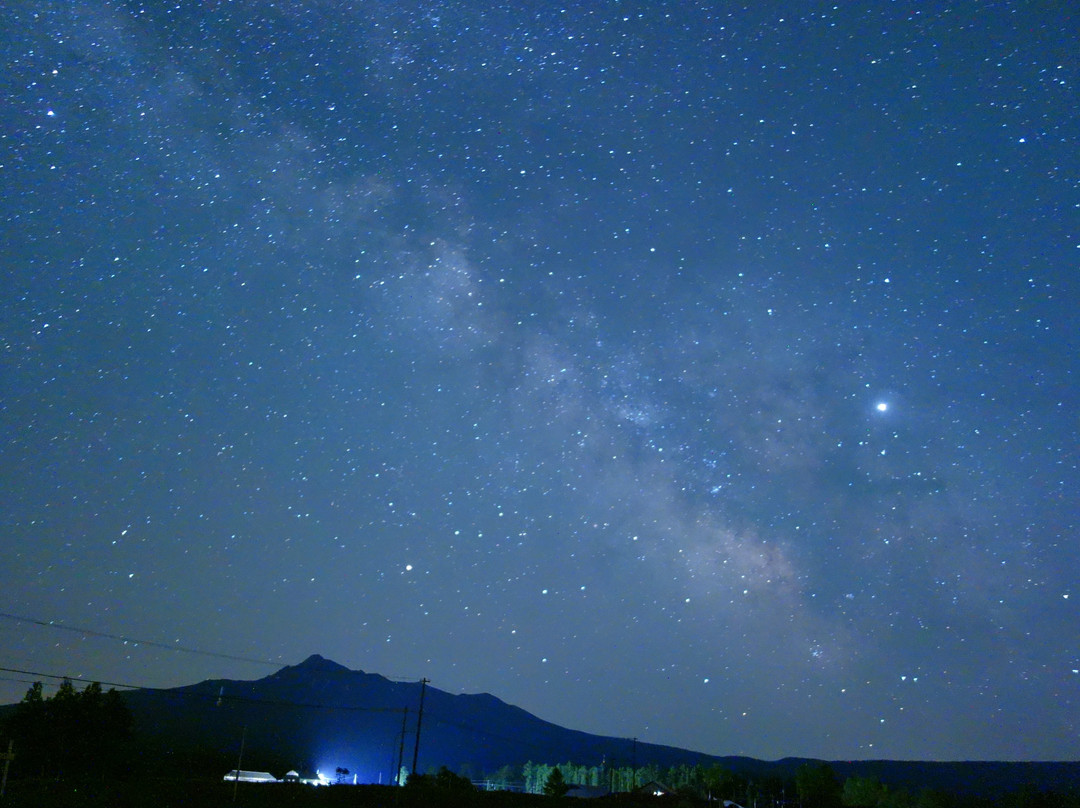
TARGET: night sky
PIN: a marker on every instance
(672, 370)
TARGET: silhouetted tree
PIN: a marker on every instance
(446, 780)
(71, 734)
(505, 777)
(535, 774)
(863, 792)
(555, 785)
(817, 786)
(721, 783)
(443, 781)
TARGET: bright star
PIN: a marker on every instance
(881, 406)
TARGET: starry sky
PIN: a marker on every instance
(685, 371)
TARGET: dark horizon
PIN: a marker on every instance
(319, 716)
(362, 694)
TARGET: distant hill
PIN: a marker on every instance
(320, 715)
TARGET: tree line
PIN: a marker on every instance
(707, 781)
(814, 785)
(70, 734)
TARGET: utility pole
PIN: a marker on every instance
(419, 720)
(10, 756)
(633, 768)
(401, 748)
(239, 763)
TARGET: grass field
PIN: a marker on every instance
(176, 793)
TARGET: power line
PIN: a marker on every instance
(220, 696)
(167, 646)
(72, 678)
(174, 647)
(16, 681)
(419, 720)
(470, 728)
(163, 645)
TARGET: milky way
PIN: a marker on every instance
(693, 374)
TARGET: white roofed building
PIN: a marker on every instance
(243, 776)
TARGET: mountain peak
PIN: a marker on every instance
(320, 664)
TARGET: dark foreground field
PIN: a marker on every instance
(217, 794)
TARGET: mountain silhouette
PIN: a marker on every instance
(322, 716)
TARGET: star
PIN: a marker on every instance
(472, 317)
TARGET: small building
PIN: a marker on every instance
(293, 776)
(243, 776)
(654, 789)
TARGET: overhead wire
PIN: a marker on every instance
(219, 697)
(150, 643)
(175, 646)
